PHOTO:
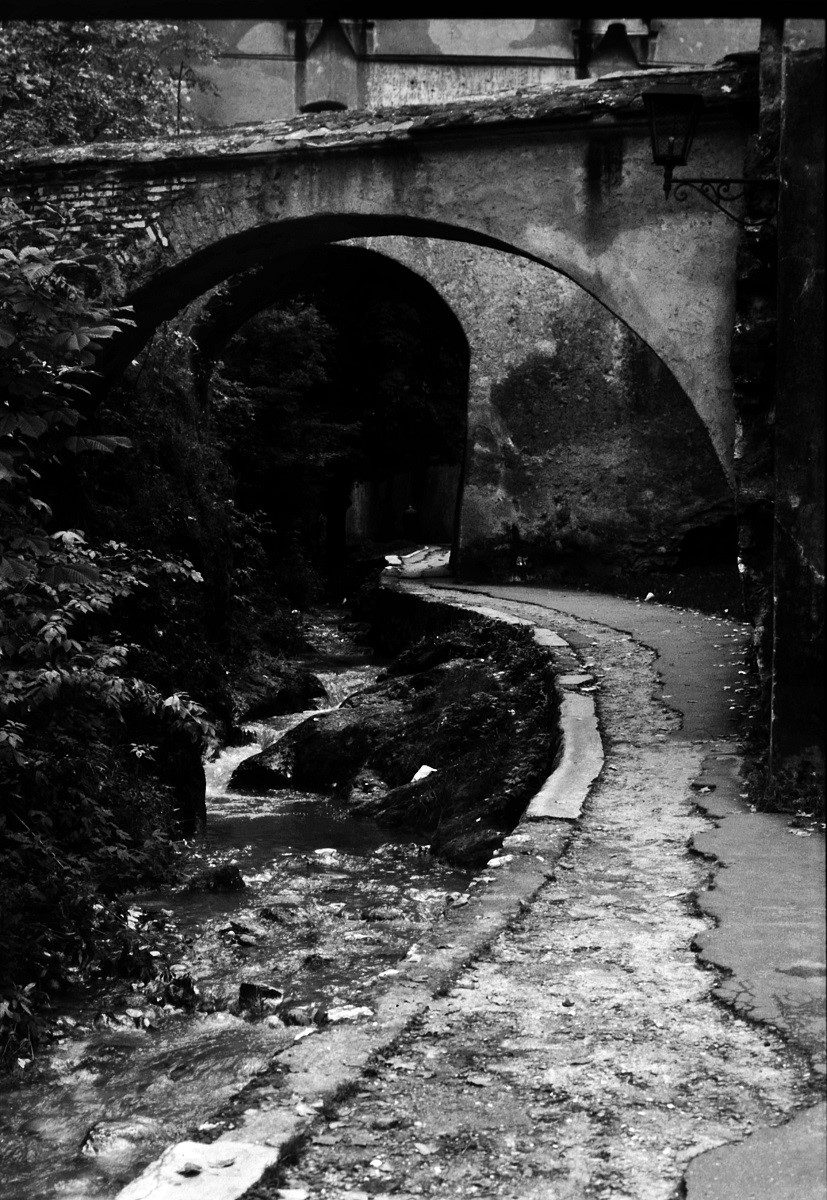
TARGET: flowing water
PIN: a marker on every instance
(331, 904)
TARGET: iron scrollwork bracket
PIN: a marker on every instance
(721, 192)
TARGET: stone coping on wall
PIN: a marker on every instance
(726, 87)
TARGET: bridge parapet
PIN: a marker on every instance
(731, 85)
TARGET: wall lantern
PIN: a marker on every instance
(673, 114)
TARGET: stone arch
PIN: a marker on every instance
(433, 483)
(563, 178)
(250, 292)
(490, 500)
(583, 450)
(170, 289)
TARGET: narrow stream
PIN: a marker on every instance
(331, 904)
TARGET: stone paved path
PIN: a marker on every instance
(585, 1054)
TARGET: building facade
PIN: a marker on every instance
(274, 69)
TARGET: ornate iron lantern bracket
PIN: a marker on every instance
(721, 192)
(673, 114)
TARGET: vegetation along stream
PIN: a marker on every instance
(297, 906)
(304, 909)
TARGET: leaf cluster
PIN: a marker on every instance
(66, 82)
(82, 808)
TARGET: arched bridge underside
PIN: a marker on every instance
(562, 177)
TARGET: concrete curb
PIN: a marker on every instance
(561, 796)
(320, 1068)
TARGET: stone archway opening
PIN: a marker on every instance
(339, 382)
(493, 495)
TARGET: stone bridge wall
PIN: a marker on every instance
(563, 177)
(584, 457)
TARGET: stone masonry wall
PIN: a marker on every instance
(582, 447)
(778, 393)
(797, 733)
(583, 452)
(753, 370)
(563, 176)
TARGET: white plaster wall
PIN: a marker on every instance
(436, 83)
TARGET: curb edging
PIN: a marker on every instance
(320, 1068)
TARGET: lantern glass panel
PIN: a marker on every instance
(673, 115)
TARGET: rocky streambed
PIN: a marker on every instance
(336, 837)
(451, 739)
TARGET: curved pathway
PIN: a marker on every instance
(563, 1037)
(584, 1054)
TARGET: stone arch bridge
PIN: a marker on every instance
(563, 177)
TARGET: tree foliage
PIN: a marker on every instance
(80, 807)
(64, 82)
(85, 809)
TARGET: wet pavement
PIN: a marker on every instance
(329, 906)
(609, 1015)
(586, 1053)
